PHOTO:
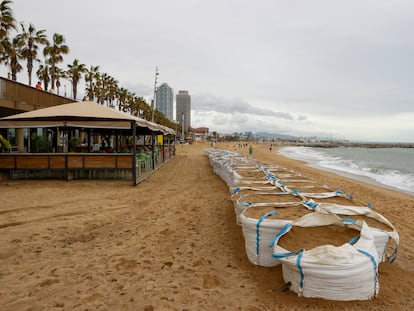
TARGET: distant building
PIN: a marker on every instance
(183, 107)
(165, 100)
(200, 133)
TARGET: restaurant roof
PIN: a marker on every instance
(86, 114)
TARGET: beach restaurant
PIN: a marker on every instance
(83, 140)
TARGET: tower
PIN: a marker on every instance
(165, 100)
(183, 103)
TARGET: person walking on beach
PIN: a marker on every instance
(250, 150)
(39, 86)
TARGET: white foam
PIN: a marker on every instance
(385, 175)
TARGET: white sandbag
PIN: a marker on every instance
(260, 224)
(346, 272)
(262, 186)
(321, 195)
(258, 233)
(246, 201)
(386, 240)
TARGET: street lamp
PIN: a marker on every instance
(182, 126)
(155, 92)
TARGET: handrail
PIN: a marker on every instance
(21, 97)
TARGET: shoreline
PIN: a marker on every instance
(354, 176)
(361, 178)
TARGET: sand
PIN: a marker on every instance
(171, 243)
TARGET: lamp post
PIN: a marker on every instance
(182, 126)
(155, 92)
(176, 126)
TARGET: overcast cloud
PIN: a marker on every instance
(322, 67)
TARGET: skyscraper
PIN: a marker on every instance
(183, 107)
(165, 100)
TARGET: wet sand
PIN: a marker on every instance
(171, 243)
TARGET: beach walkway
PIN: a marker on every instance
(171, 243)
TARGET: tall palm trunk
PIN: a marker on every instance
(74, 88)
(29, 69)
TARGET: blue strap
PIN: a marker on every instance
(246, 203)
(258, 228)
(295, 191)
(283, 255)
(393, 256)
(310, 204)
(302, 276)
(235, 190)
(374, 263)
(354, 240)
(348, 221)
(369, 204)
(338, 192)
(280, 233)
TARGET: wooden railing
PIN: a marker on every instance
(20, 97)
(78, 165)
(22, 161)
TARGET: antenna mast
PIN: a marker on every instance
(155, 93)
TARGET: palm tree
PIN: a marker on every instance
(143, 109)
(112, 91)
(74, 73)
(7, 21)
(104, 88)
(54, 52)
(12, 52)
(91, 76)
(123, 95)
(31, 38)
(43, 75)
(60, 74)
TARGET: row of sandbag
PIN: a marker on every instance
(329, 247)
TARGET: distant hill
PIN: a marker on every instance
(276, 136)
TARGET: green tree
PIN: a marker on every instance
(54, 55)
(32, 39)
(43, 75)
(7, 21)
(91, 76)
(122, 99)
(112, 91)
(60, 74)
(74, 74)
(12, 52)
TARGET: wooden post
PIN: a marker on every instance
(153, 150)
(134, 153)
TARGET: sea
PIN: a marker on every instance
(389, 167)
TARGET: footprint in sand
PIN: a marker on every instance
(210, 281)
(126, 264)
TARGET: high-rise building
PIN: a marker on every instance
(165, 100)
(183, 109)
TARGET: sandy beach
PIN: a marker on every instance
(171, 243)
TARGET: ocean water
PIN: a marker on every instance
(392, 167)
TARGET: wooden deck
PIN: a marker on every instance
(81, 165)
(33, 161)
(67, 165)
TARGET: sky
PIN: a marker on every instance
(326, 68)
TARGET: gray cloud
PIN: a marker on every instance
(212, 103)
